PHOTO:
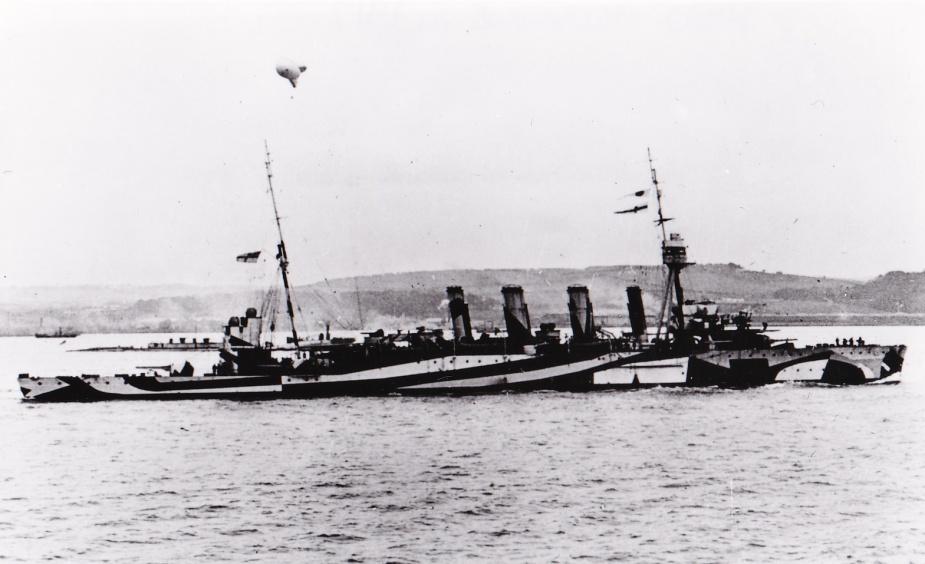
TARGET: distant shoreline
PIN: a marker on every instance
(413, 299)
(808, 320)
(862, 319)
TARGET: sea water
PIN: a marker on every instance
(784, 472)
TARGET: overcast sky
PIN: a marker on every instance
(441, 135)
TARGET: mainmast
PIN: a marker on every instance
(674, 256)
(658, 195)
(281, 250)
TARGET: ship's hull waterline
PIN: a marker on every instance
(480, 374)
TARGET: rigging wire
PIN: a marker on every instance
(329, 310)
(269, 308)
(338, 308)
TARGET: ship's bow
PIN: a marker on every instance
(893, 361)
(47, 389)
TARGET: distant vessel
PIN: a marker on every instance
(185, 344)
(59, 334)
(180, 344)
(693, 346)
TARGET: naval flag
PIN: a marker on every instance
(249, 257)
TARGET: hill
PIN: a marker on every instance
(408, 299)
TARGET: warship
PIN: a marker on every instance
(693, 346)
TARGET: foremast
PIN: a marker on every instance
(281, 250)
(674, 257)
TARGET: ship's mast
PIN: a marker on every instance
(674, 256)
(281, 250)
(658, 195)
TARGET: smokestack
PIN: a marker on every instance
(637, 312)
(459, 313)
(581, 313)
(516, 316)
(246, 329)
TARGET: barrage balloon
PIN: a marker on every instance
(290, 71)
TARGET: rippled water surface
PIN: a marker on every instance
(786, 473)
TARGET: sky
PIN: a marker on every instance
(436, 135)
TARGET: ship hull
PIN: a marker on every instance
(449, 374)
(145, 387)
(436, 375)
(458, 374)
(756, 367)
(479, 374)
